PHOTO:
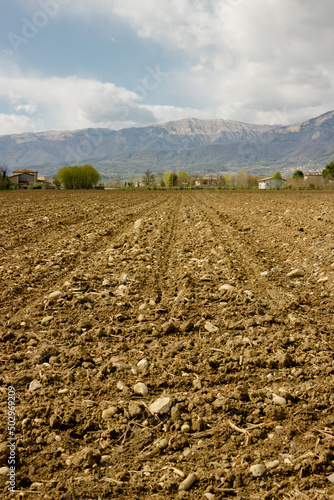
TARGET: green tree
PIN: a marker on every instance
(165, 178)
(328, 172)
(65, 177)
(76, 177)
(172, 179)
(148, 179)
(227, 180)
(278, 175)
(4, 179)
(298, 174)
(89, 177)
(183, 178)
(56, 182)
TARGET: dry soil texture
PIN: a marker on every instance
(114, 300)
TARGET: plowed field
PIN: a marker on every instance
(221, 303)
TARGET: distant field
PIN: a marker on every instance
(195, 283)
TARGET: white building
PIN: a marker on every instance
(272, 183)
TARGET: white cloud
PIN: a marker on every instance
(254, 61)
(247, 60)
(69, 103)
(186, 24)
(15, 124)
(260, 61)
(73, 103)
(165, 114)
(29, 107)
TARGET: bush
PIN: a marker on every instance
(38, 185)
(4, 183)
(85, 177)
(298, 174)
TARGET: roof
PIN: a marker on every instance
(270, 178)
(25, 171)
(206, 179)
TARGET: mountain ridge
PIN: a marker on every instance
(191, 144)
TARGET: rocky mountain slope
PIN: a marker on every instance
(192, 144)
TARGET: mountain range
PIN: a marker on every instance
(190, 144)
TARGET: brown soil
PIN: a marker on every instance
(249, 370)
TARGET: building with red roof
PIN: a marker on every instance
(24, 178)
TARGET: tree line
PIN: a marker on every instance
(86, 177)
(183, 179)
(234, 180)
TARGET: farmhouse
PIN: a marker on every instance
(206, 181)
(315, 180)
(24, 178)
(312, 176)
(41, 179)
(272, 183)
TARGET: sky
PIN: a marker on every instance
(74, 64)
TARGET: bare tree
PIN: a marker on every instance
(148, 179)
(4, 179)
(221, 181)
(3, 169)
